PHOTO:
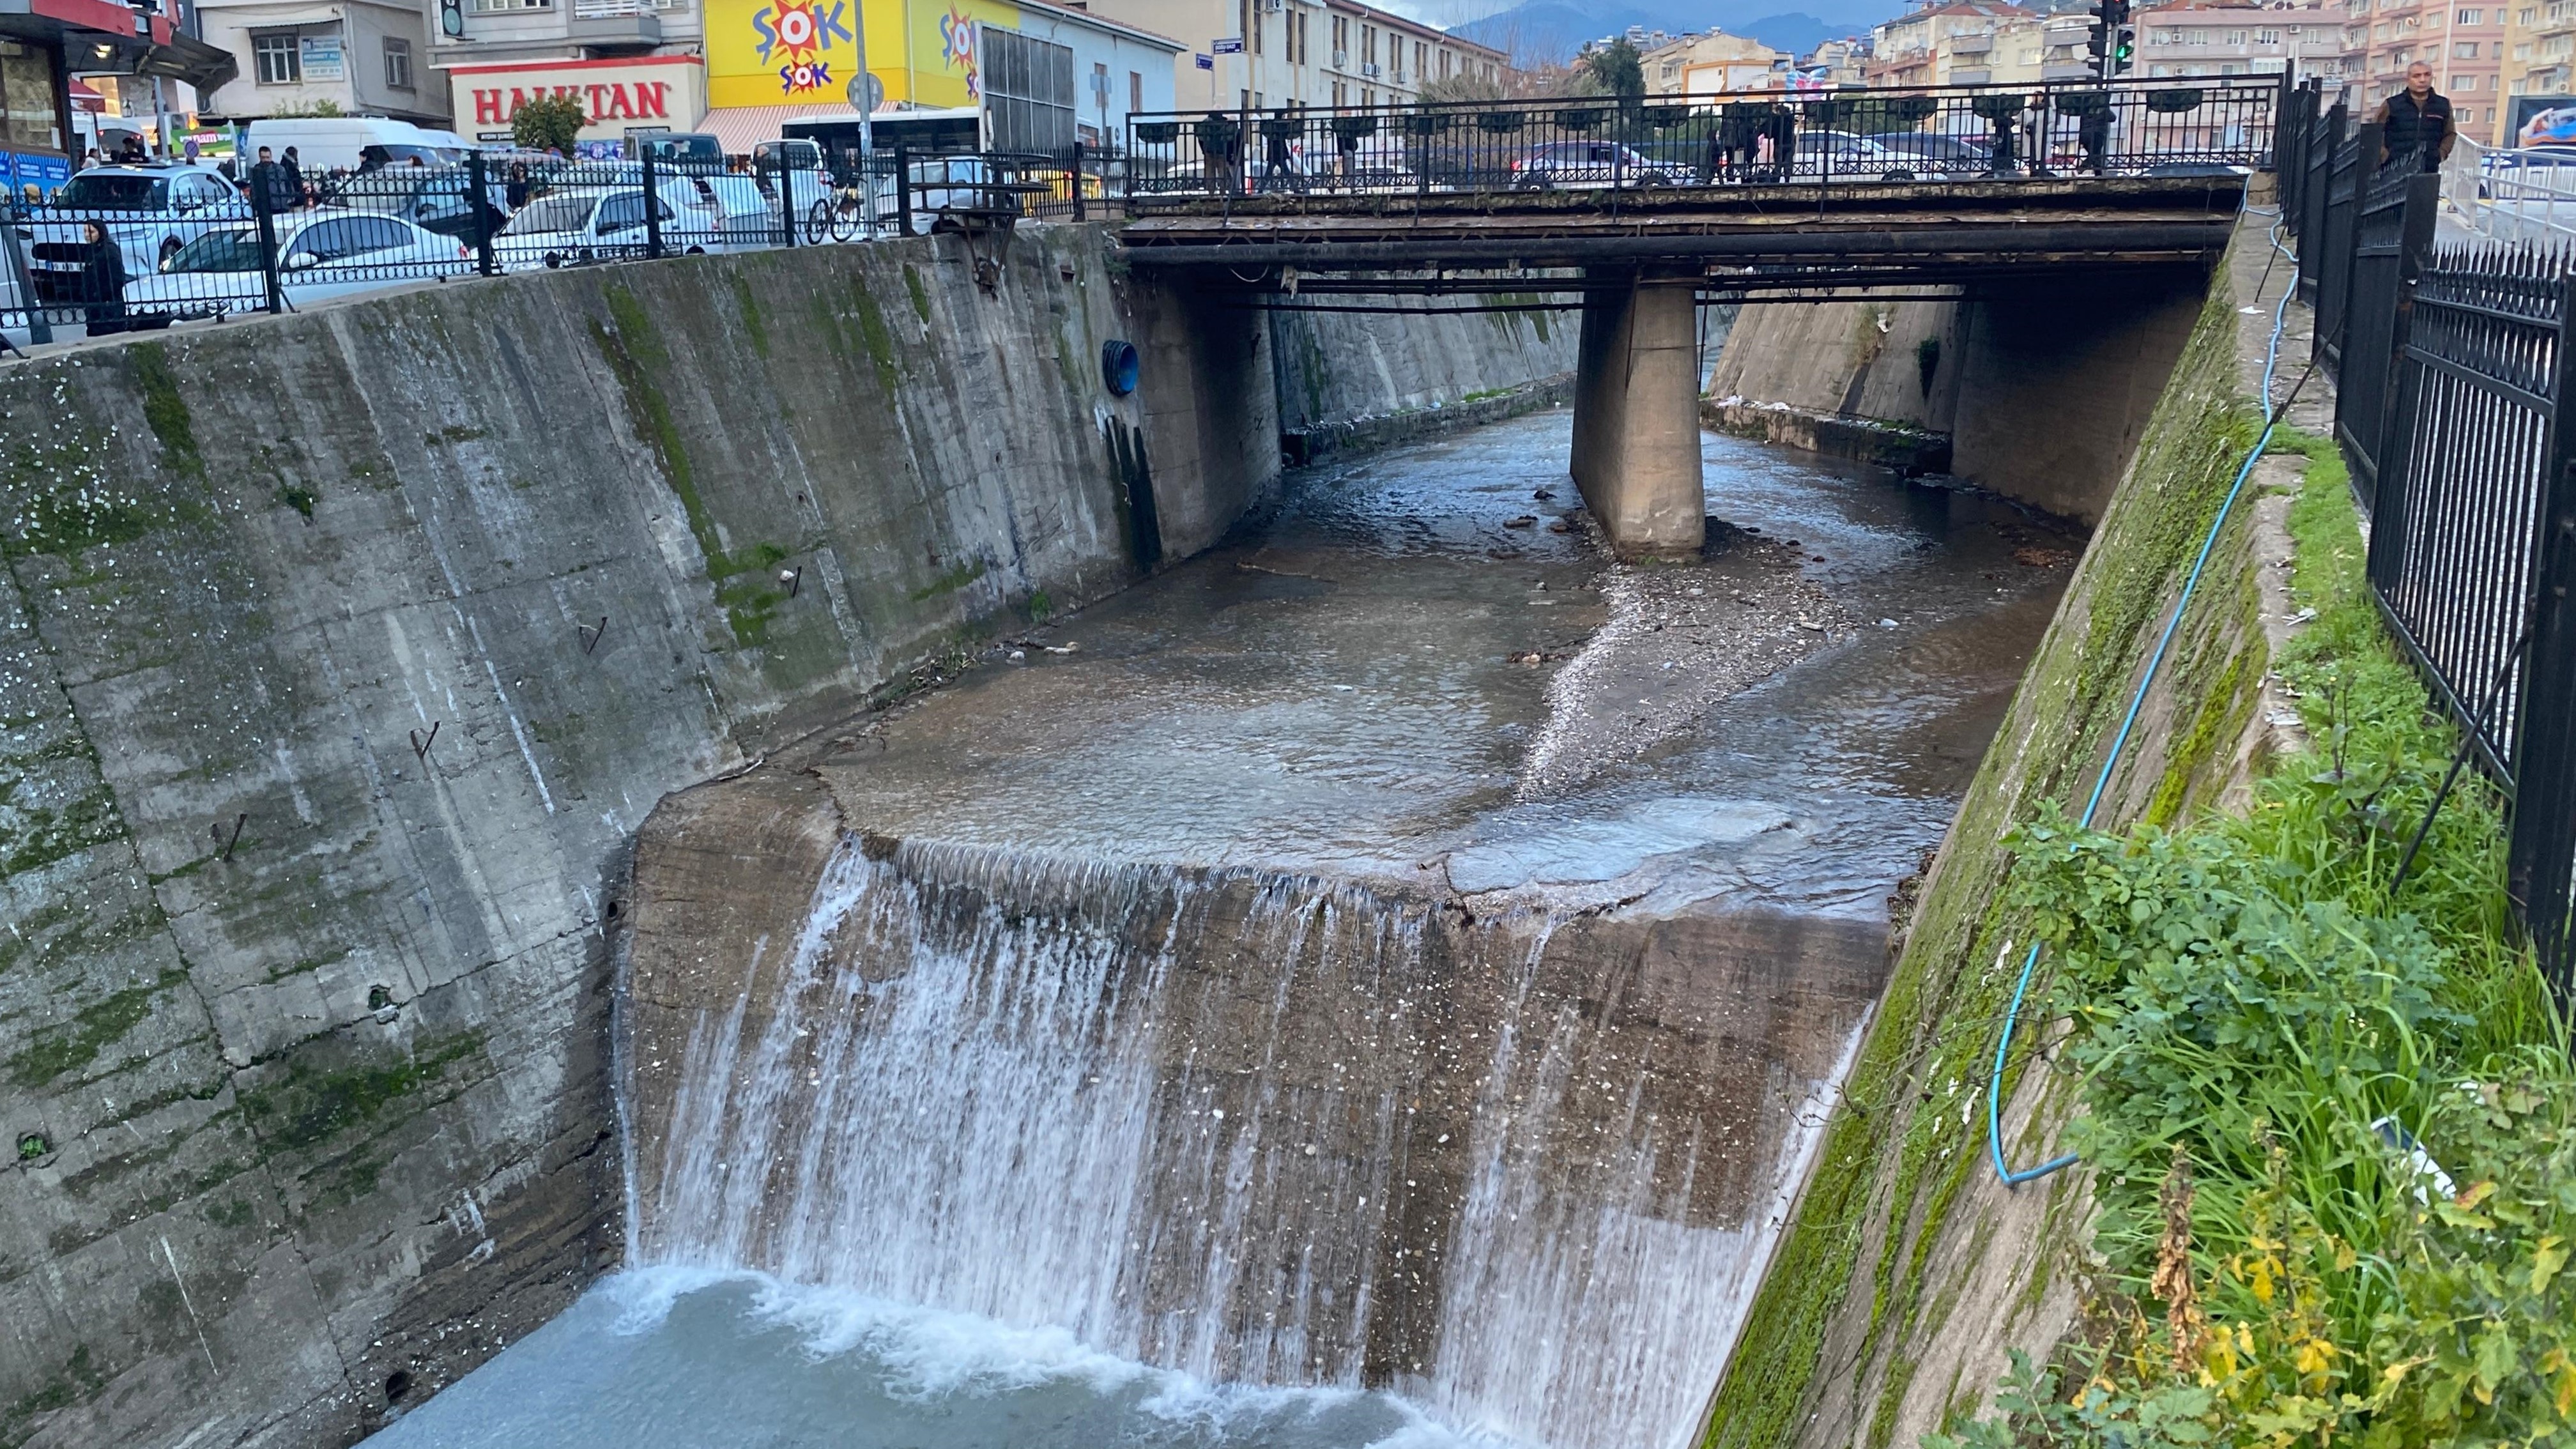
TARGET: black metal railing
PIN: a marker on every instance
(1948, 133)
(2456, 408)
(270, 242)
(2392, 228)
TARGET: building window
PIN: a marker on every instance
(2267, 37)
(275, 57)
(2473, 17)
(489, 6)
(2464, 50)
(1135, 90)
(397, 64)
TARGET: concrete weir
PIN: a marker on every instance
(1256, 1127)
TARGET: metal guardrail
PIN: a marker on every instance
(1948, 133)
(67, 269)
(2456, 406)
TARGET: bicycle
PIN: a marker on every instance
(841, 215)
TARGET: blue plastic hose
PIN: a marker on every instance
(2120, 742)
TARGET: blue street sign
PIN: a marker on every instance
(1231, 45)
(1205, 62)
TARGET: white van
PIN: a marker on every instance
(340, 143)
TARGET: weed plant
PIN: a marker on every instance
(2329, 1114)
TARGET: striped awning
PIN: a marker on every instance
(742, 127)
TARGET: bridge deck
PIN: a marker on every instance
(1796, 235)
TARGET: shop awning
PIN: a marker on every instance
(186, 58)
(740, 128)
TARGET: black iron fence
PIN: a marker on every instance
(2456, 407)
(1598, 143)
(192, 244)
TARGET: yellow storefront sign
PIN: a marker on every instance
(785, 52)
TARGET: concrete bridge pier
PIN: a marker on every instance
(1636, 413)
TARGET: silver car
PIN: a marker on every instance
(149, 211)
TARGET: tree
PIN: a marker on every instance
(1614, 69)
(547, 123)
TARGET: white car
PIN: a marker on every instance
(321, 254)
(607, 223)
(149, 211)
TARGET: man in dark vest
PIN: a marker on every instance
(2415, 130)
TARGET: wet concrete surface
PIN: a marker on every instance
(1421, 670)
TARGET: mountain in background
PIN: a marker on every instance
(1556, 29)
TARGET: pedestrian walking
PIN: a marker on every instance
(1278, 156)
(102, 281)
(294, 170)
(272, 188)
(1781, 131)
(1220, 151)
(2415, 127)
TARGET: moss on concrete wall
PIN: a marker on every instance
(1908, 1269)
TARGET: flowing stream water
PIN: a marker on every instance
(1383, 989)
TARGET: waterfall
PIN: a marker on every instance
(1254, 1127)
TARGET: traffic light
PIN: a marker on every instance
(2112, 40)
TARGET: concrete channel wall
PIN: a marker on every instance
(2039, 392)
(340, 656)
(1354, 379)
(1908, 1271)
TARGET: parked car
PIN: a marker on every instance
(1939, 154)
(1823, 153)
(1592, 164)
(438, 199)
(607, 223)
(321, 254)
(149, 211)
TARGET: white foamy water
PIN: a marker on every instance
(674, 1358)
(1119, 1116)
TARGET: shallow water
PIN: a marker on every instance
(1402, 677)
(676, 1359)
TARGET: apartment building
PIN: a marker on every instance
(1837, 63)
(366, 57)
(2464, 43)
(1711, 63)
(2222, 40)
(1964, 42)
(1300, 53)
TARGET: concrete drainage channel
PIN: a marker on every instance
(458, 706)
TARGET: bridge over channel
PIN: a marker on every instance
(2077, 207)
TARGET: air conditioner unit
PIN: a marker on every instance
(1396, 78)
(1341, 60)
(1273, 7)
(1369, 70)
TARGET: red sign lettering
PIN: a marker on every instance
(600, 101)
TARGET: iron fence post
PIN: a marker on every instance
(265, 220)
(1077, 183)
(2540, 871)
(652, 206)
(478, 181)
(40, 328)
(903, 191)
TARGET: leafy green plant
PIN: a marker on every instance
(547, 123)
(2330, 1115)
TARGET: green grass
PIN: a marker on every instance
(2251, 993)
